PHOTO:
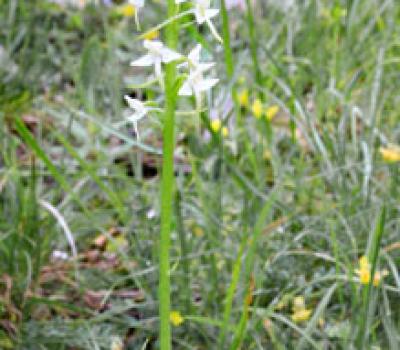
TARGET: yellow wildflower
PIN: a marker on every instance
(364, 273)
(176, 318)
(216, 127)
(243, 98)
(390, 154)
(271, 112)
(299, 303)
(300, 312)
(257, 108)
(364, 263)
(151, 35)
(301, 315)
(127, 10)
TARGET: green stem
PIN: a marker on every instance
(253, 43)
(227, 41)
(364, 322)
(167, 184)
(229, 64)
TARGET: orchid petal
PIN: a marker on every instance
(144, 61)
(206, 84)
(169, 55)
(185, 90)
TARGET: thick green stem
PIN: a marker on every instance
(167, 185)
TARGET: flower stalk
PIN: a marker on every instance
(167, 183)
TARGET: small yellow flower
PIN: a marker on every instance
(257, 108)
(243, 98)
(390, 154)
(364, 273)
(271, 112)
(127, 10)
(176, 318)
(379, 275)
(216, 127)
(299, 303)
(301, 315)
(300, 312)
(151, 35)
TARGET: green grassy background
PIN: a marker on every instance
(261, 216)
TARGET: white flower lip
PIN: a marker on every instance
(139, 111)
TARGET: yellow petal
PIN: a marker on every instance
(364, 275)
(243, 98)
(364, 263)
(216, 125)
(127, 10)
(390, 154)
(257, 108)
(299, 303)
(301, 315)
(176, 318)
(271, 112)
(151, 35)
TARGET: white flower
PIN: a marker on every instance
(140, 111)
(157, 54)
(196, 84)
(203, 13)
(138, 4)
(193, 58)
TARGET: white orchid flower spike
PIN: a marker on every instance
(138, 4)
(203, 13)
(157, 54)
(139, 112)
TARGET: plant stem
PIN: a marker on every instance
(364, 321)
(167, 184)
(227, 41)
(253, 43)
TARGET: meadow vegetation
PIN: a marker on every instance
(165, 202)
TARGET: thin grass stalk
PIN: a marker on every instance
(253, 43)
(184, 251)
(231, 293)
(167, 183)
(363, 322)
(248, 271)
